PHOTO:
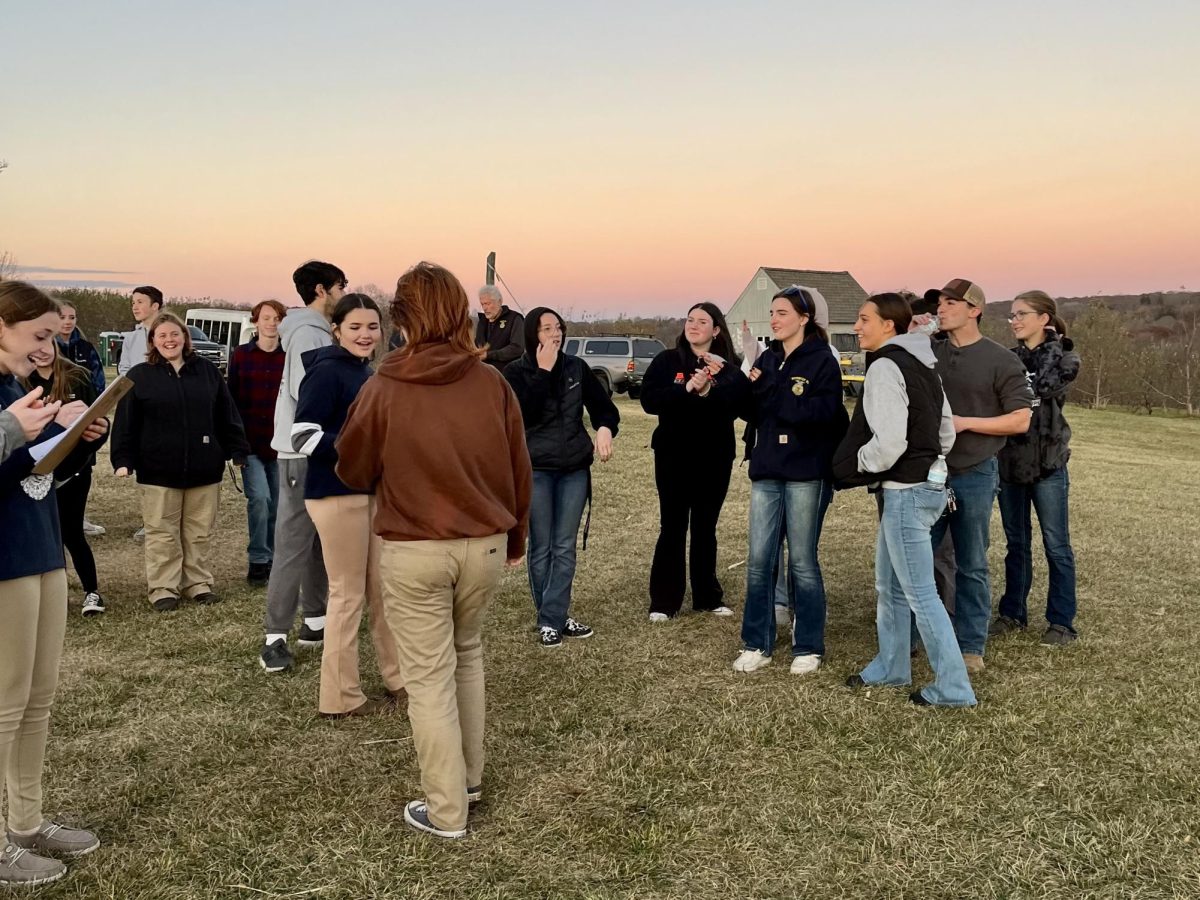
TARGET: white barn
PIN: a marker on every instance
(843, 294)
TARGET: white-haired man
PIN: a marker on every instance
(501, 331)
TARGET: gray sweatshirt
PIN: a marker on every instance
(885, 404)
(12, 435)
(300, 331)
(133, 349)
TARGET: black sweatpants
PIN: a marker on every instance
(690, 492)
(72, 502)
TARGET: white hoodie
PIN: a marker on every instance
(300, 331)
(885, 404)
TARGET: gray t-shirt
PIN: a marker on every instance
(982, 379)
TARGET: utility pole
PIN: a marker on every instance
(490, 274)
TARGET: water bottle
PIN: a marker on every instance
(930, 327)
(938, 473)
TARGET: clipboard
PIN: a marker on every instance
(55, 450)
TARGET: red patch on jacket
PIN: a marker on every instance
(679, 378)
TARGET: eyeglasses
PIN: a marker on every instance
(1020, 315)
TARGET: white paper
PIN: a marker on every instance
(42, 450)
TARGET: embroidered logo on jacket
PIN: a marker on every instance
(799, 383)
(679, 378)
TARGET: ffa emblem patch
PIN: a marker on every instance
(503, 324)
(679, 378)
(798, 385)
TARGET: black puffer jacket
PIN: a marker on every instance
(553, 403)
(1051, 366)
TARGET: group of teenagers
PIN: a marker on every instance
(405, 489)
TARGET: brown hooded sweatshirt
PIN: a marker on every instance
(438, 437)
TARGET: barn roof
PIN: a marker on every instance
(843, 294)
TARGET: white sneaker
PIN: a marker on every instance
(722, 611)
(140, 534)
(806, 664)
(91, 529)
(659, 617)
(751, 661)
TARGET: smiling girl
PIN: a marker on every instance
(799, 419)
(343, 517)
(33, 600)
(175, 429)
(1033, 474)
(697, 390)
(67, 382)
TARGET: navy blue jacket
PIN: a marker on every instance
(796, 412)
(30, 537)
(333, 376)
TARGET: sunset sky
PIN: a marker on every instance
(618, 157)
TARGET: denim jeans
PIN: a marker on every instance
(260, 479)
(904, 581)
(975, 493)
(554, 514)
(799, 507)
(1049, 498)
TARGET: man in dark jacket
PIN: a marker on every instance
(500, 330)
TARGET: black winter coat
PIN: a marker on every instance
(689, 425)
(177, 429)
(1051, 366)
(552, 405)
(504, 338)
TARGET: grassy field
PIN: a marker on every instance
(637, 764)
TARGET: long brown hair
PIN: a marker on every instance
(432, 308)
(64, 376)
(1043, 304)
(21, 301)
(152, 355)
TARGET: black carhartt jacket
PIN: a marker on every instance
(504, 338)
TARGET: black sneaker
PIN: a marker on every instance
(474, 795)
(855, 681)
(93, 604)
(208, 598)
(310, 637)
(918, 699)
(166, 604)
(549, 637)
(573, 629)
(1004, 625)
(275, 657)
(1058, 636)
(259, 574)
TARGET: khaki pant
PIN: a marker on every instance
(34, 619)
(434, 595)
(179, 523)
(351, 552)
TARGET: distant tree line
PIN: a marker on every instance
(1139, 351)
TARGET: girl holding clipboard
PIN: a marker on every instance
(33, 602)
